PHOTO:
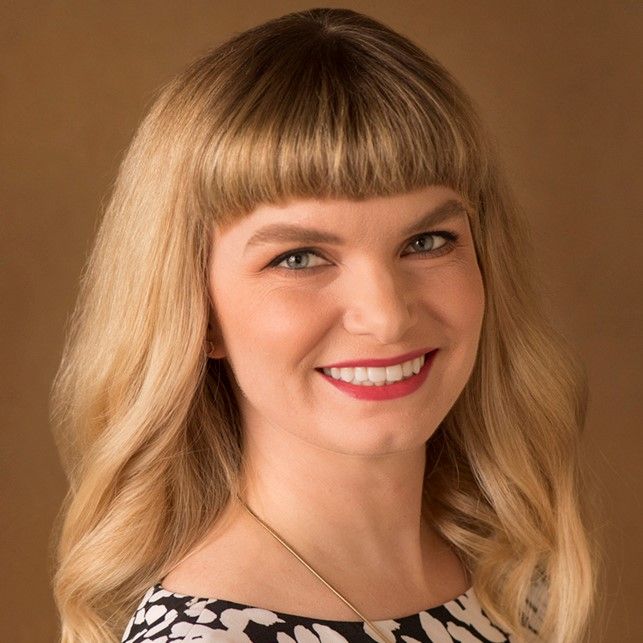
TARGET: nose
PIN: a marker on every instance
(380, 304)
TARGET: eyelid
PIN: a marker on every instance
(451, 238)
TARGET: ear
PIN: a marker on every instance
(214, 351)
(214, 345)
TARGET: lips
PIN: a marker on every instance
(383, 391)
(387, 361)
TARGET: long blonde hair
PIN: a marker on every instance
(325, 103)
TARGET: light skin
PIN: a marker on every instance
(339, 478)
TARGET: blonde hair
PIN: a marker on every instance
(325, 103)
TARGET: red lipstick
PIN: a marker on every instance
(385, 391)
(387, 361)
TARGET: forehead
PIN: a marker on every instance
(336, 220)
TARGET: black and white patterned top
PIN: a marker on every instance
(166, 617)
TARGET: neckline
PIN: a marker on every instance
(467, 595)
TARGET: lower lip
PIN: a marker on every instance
(385, 391)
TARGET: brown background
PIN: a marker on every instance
(557, 84)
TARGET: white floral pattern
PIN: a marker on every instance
(166, 617)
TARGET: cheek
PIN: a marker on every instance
(458, 304)
(471, 303)
(274, 324)
(472, 320)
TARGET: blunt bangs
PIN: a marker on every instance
(328, 112)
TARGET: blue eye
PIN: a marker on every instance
(297, 264)
(302, 265)
(450, 239)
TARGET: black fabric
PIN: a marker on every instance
(168, 617)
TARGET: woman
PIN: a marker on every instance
(308, 392)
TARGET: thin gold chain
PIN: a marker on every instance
(301, 560)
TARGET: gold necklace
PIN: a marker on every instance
(303, 562)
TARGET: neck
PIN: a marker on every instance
(358, 511)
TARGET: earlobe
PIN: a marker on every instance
(214, 350)
(214, 346)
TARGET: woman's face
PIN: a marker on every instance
(314, 283)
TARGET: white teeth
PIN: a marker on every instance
(407, 369)
(377, 375)
(361, 374)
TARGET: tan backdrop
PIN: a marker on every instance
(556, 82)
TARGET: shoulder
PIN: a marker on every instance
(535, 605)
(166, 616)
(169, 617)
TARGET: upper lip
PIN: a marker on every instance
(385, 361)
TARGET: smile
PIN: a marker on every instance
(377, 375)
(379, 383)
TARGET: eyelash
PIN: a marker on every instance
(450, 237)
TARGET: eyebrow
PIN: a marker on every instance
(292, 233)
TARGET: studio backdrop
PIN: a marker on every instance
(558, 85)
